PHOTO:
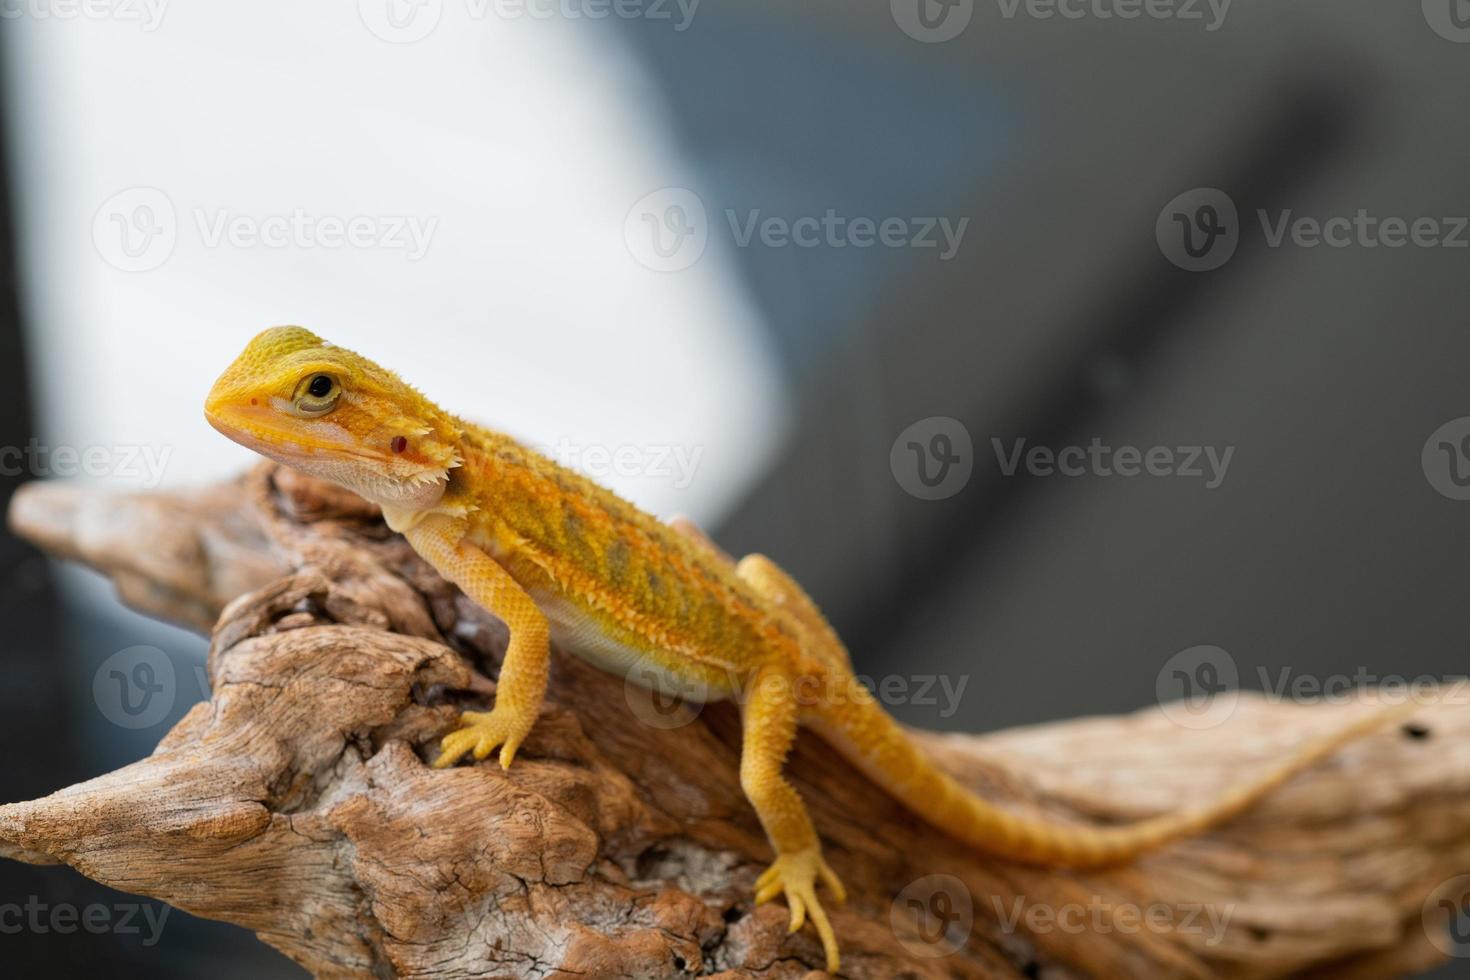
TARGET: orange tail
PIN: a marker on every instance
(858, 728)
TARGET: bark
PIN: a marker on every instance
(297, 801)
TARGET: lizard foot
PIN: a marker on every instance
(795, 875)
(481, 733)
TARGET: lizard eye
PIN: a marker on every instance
(316, 395)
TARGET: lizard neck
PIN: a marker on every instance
(403, 517)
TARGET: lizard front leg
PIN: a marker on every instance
(522, 683)
(769, 715)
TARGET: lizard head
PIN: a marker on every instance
(334, 414)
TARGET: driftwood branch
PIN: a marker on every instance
(297, 801)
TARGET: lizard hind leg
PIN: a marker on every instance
(781, 590)
(769, 715)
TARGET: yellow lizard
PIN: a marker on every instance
(559, 558)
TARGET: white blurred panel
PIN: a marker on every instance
(515, 147)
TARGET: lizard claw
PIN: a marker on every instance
(482, 733)
(795, 875)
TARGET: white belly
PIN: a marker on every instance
(575, 632)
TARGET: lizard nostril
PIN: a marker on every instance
(255, 401)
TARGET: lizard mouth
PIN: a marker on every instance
(259, 428)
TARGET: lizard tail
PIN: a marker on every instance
(863, 733)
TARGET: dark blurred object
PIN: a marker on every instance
(53, 921)
(1324, 553)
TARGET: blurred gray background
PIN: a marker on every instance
(561, 278)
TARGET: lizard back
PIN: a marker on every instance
(618, 585)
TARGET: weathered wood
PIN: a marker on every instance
(297, 802)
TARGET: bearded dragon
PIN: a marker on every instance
(561, 560)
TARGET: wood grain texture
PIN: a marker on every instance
(298, 801)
